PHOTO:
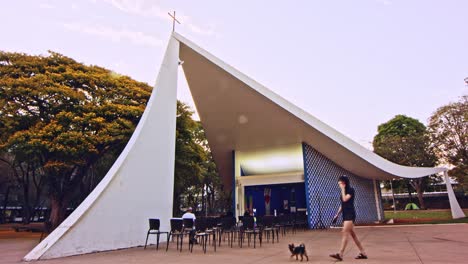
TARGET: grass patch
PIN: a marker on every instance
(424, 217)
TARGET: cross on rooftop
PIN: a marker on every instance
(174, 19)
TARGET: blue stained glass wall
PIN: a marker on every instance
(323, 194)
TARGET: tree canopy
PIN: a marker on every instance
(448, 126)
(63, 124)
(405, 141)
(197, 183)
(58, 117)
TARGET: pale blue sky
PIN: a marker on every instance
(352, 63)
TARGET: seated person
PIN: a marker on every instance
(189, 214)
(247, 212)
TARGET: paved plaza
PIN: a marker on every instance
(394, 244)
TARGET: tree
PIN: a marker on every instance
(58, 117)
(405, 141)
(197, 183)
(188, 161)
(7, 184)
(448, 128)
(213, 196)
(63, 124)
(26, 173)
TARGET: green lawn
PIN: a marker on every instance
(424, 217)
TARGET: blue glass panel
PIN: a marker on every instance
(321, 176)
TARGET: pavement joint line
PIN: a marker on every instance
(415, 251)
(450, 240)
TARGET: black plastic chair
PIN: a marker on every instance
(288, 223)
(259, 222)
(249, 229)
(210, 226)
(278, 221)
(301, 220)
(228, 227)
(188, 224)
(177, 230)
(154, 225)
(201, 233)
(214, 225)
(270, 228)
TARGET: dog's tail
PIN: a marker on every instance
(302, 245)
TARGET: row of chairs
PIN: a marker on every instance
(212, 230)
(202, 232)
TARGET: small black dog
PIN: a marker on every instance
(300, 250)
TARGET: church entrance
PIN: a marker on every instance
(275, 199)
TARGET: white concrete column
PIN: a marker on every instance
(377, 204)
(239, 199)
(457, 212)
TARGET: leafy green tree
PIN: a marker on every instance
(58, 117)
(7, 185)
(448, 127)
(63, 124)
(214, 199)
(26, 174)
(188, 161)
(404, 140)
(197, 183)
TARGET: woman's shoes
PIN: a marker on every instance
(361, 256)
(336, 256)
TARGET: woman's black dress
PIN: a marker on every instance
(349, 214)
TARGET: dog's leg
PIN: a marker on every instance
(297, 256)
(305, 253)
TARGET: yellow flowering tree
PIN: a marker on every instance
(58, 117)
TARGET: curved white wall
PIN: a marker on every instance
(137, 187)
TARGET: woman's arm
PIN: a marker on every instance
(339, 211)
(345, 197)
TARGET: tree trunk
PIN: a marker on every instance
(393, 196)
(417, 185)
(37, 208)
(58, 211)
(421, 200)
(26, 204)
(176, 204)
(408, 185)
(5, 204)
(203, 201)
(209, 202)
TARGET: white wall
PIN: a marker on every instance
(137, 187)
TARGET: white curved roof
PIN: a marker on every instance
(239, 113)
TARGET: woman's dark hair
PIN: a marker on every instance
(345, 179)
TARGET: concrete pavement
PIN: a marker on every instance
(392, 244)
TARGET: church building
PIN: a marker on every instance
(272, 156)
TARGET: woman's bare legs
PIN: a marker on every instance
(348, 229)
(358, 243)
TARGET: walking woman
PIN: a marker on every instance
(349, 215)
